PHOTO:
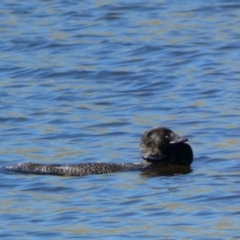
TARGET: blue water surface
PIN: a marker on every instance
(80, 81)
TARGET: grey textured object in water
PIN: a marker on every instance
(80, 169)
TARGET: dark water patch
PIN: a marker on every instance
(110, 124)
(13, 119)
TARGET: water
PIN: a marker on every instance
(81, 82)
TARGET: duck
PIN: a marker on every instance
(163, 145)
(159, 147)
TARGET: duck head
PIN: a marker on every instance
(155, 143)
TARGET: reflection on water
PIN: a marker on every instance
(81, 82)
(167, 171)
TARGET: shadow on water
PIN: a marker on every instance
(172, 170)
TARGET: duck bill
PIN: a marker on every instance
(177, 139)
